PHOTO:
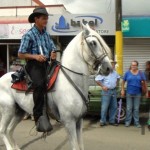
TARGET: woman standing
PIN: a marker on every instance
(147, 71)
(134, 78)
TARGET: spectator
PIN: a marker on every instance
(133, 77)
(147, 71)
(109, 96)
(147, 74)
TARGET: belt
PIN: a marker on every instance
(112, 89)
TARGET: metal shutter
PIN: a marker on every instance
(136, 49)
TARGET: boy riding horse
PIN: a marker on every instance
(37, 47)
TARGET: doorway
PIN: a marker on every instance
(3, 59)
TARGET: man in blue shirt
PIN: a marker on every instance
(109, 95)
(37, 47)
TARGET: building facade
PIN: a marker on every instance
(13, 25)
(62, 26)
(136, 31)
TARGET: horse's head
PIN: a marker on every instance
(95, 51)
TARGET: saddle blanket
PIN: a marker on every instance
(22, 85)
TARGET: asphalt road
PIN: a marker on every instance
(95, 137)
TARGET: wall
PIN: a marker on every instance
(7, 3)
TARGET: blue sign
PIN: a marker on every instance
(71, 24)
(62, 25)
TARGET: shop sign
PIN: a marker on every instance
(16, 31)
(69, 24)
(136, 26)
(4, 32)
(13, 31)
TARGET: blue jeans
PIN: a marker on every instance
(132, 104)
(109, 99)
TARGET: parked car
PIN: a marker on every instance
(95, 101)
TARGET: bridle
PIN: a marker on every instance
(98, 60)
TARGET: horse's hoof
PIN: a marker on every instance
(16, 148)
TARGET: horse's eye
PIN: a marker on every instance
(94, 43)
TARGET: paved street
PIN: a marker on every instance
(95, 137)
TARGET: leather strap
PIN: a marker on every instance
(75, 86)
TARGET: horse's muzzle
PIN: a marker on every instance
(97, 64)
(104, 69)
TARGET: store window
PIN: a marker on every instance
(3, 59)
(14, 62)
(2, 67)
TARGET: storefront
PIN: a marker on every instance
(62, 28)
(8, 56)
(10, 35)
(136, 32)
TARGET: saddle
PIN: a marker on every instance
(22, 84)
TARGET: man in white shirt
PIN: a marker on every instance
(109, 95)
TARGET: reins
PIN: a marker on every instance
(86, 101)
(75, 86)
(78, 73)
(98, 60)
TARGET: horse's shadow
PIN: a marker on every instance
(57, 126)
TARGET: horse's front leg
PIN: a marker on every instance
(79, 125)
(71, 128)
(10, 130)
(7, 114)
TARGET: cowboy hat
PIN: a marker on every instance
(36, 11)
(112, 61)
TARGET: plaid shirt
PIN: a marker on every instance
(34, 39)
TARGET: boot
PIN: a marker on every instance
(43, 124)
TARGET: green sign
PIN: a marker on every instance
(136, 26)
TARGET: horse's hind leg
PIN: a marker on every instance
(79, 125)
(71, 128)
(11, 127)
(6, 116)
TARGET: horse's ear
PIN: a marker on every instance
(85, 29)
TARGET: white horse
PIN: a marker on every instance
(85, 52)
